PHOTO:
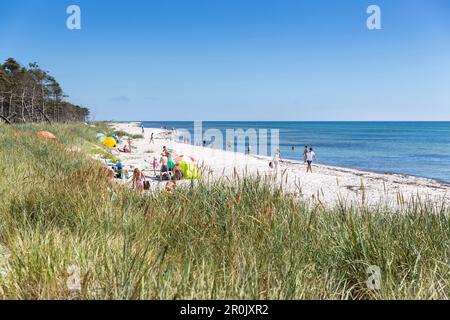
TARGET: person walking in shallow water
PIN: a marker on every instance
(310, 156)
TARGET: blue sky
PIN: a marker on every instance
(240, 59)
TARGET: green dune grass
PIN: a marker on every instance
(221, 240)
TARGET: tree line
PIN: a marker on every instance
(30, 94)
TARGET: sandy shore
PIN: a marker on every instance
(326, 184)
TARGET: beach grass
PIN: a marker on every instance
(220, 240)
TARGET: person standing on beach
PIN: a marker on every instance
(154, 165)
(275, 161)
(163, 161)
(151, 138)
(129, 143)
(310, 156)
(305, 153)
(249, 149)
(164, 169)
(143, 131)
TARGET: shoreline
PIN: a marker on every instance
(331, 166)
(327, 184)
(357, 170)
(396, 174)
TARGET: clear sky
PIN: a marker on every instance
(240, 59)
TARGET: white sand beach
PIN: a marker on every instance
(326, 185)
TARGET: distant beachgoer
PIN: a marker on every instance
(305, 153)
(143, 131)
(129, 142)
(249, 149)
(275, 161)
(310, 156)
(229, 144)
(151, 139)
(154, 165)
(204, 143)
(138, 180)
(293, 148)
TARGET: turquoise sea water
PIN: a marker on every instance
(412, 148)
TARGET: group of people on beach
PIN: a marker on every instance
(140, 182)
(126, 148)
(308, 157)
(138, 179)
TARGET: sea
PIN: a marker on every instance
(411, 148)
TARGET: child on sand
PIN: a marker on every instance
(154, 165)
(177, 172)
(138, 180)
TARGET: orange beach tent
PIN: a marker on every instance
(46, 135)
